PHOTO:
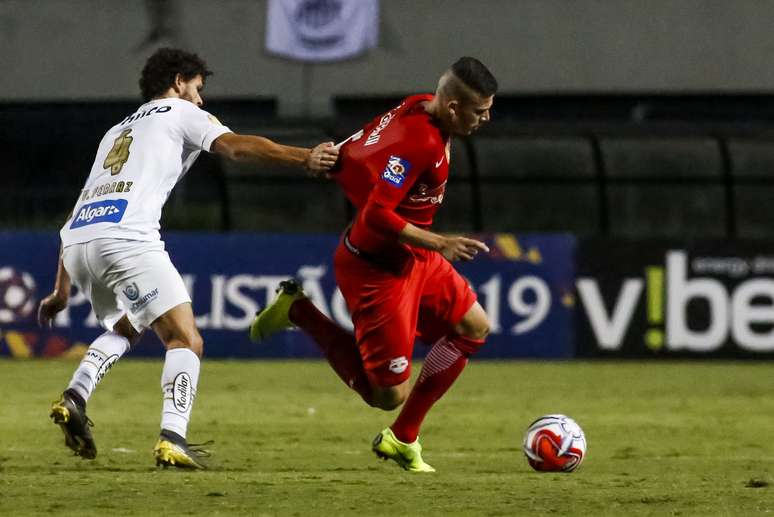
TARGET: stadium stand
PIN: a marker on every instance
(626, 166)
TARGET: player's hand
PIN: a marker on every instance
(462, 248)
(322, 158)
(49, 307)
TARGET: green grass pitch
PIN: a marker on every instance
(680, 438)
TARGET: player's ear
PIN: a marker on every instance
(453, 106)
(177, 84)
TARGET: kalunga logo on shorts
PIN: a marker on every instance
(399, 364)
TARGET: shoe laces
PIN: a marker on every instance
(199, 448)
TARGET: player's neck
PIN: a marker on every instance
(435, 109)
(169, 94)
(432, 107)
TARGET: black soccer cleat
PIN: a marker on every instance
(71, 417)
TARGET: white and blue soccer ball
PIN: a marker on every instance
(554, 443)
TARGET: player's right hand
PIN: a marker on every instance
(462, 248)
(322, 158)
(49, 307)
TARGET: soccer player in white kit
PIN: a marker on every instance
(112, 250)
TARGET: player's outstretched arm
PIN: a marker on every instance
(55, 302)
(452, 247)
(257, 149)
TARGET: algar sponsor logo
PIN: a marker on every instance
(107, 211)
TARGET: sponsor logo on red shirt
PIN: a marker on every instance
(396, 169)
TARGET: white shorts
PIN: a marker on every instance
(123, 277)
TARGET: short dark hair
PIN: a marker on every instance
(160, 70)
(475, 75)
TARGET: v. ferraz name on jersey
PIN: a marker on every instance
(106, 188)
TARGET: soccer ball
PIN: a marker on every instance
(17, 295)
(554, 443)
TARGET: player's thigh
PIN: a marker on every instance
(446, 300)
(176, 328)
(384, 311)
(92, 283)
(148, 285)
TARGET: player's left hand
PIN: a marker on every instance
(461, 248)
(49, 307)
(322, 158)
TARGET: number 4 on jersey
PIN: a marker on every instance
(118, 155)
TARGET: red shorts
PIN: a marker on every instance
(390, 310)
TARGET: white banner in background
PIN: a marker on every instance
(321, 30)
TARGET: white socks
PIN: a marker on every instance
(100, 357)
(179, 379)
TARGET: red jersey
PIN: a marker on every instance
(394, 171)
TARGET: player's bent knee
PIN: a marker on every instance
(124, 328)
(192, 341)
(387, 403)
(478, 330)
(481, 332)
(475, 324)
(389, 398)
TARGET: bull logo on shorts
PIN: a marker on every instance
(398, 365)
(132, 292)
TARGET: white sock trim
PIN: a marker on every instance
(441, 356)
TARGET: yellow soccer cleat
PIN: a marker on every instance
(407, 455)
(71, 418)
(172, 451)
(274, 317)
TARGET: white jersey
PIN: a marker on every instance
(138, 163)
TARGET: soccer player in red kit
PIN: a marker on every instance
(395, 274)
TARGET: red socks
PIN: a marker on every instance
(337, 344)
(443, 365)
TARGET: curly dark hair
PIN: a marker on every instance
(160, 70)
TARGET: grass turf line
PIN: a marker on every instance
(664, 439)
